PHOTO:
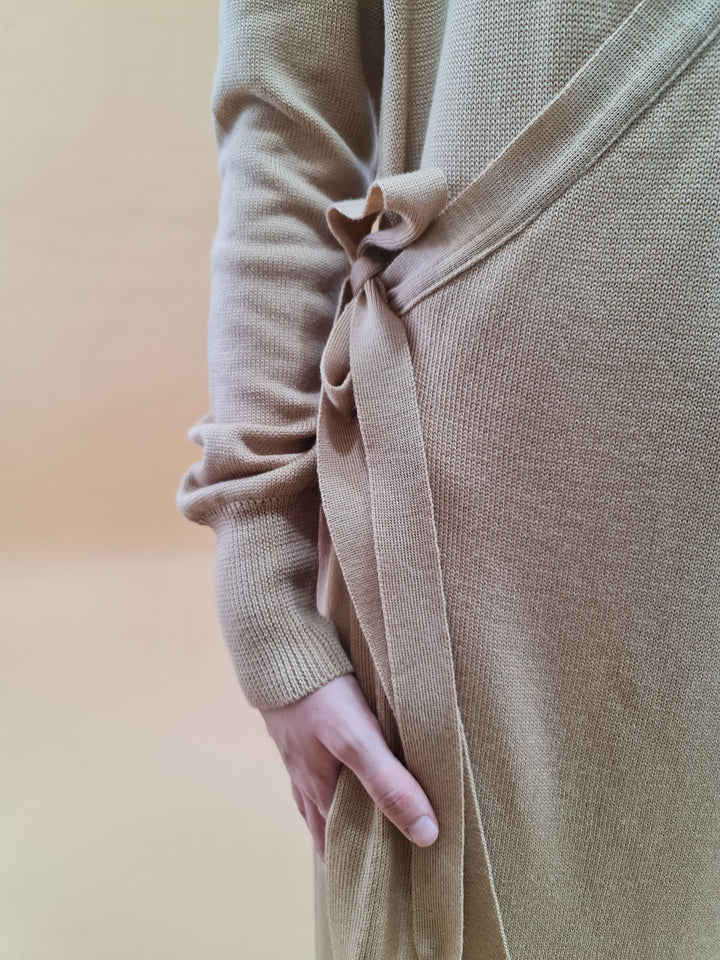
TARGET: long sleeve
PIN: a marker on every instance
(294, 102)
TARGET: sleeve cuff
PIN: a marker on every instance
(281, 646)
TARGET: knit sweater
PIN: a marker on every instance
(463, 440)
(295, 105)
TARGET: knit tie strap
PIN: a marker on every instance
(371, 449)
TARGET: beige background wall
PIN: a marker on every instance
(142, 798)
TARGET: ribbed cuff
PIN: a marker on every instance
(265, 588)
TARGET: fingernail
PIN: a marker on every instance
(423, 831)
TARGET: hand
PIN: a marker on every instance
(333, 726)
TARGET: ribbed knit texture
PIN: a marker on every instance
(565, 397)
(291, 137)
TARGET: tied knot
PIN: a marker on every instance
(367, 266)
(335, 360)
(413, 199)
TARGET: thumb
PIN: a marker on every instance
(396, 791)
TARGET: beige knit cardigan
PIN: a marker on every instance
(464, 439)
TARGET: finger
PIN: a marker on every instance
(394, 789)
(324, 789)
(299, 800)
(316, 823)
